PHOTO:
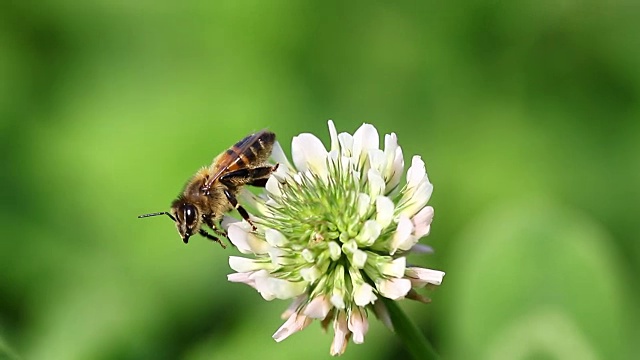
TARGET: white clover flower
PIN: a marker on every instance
(333, 231)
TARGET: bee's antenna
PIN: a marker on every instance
(156, 214)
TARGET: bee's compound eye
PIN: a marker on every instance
(189, 214)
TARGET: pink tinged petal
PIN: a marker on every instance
(363, 295)
(275, 238)
(375, 183)
(358, 325)
(420, 276)
(402, 234)
(318, 308)
(341, 334)
(369, 233)
(295, 323)
(422, 222)
(393, 288)
(422, 231)
(246, 242)
(258, 280)
(384, 211)
(309, 154)
(335, 144)
(241, 264)
(244, 277)
(294, 306)
(250, 278)
(394, 268)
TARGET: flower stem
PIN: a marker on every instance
(414, 340)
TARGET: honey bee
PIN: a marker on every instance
(212, 191)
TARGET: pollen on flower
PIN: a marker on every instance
(334, 228)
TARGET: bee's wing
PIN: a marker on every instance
(237, 157)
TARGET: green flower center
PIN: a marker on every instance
(313, 211)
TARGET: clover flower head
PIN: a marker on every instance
(333, 231)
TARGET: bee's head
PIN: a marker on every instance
(187, 218)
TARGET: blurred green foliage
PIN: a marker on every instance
(526, 113)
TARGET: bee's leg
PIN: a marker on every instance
(259, 182)
(209, 221)
(211, 237)
(248, 176)
(234, 202)
(219, 231)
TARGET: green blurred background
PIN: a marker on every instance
(526, 113)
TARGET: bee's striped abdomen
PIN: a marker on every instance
(253, 149)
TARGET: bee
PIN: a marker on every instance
(212, 191)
